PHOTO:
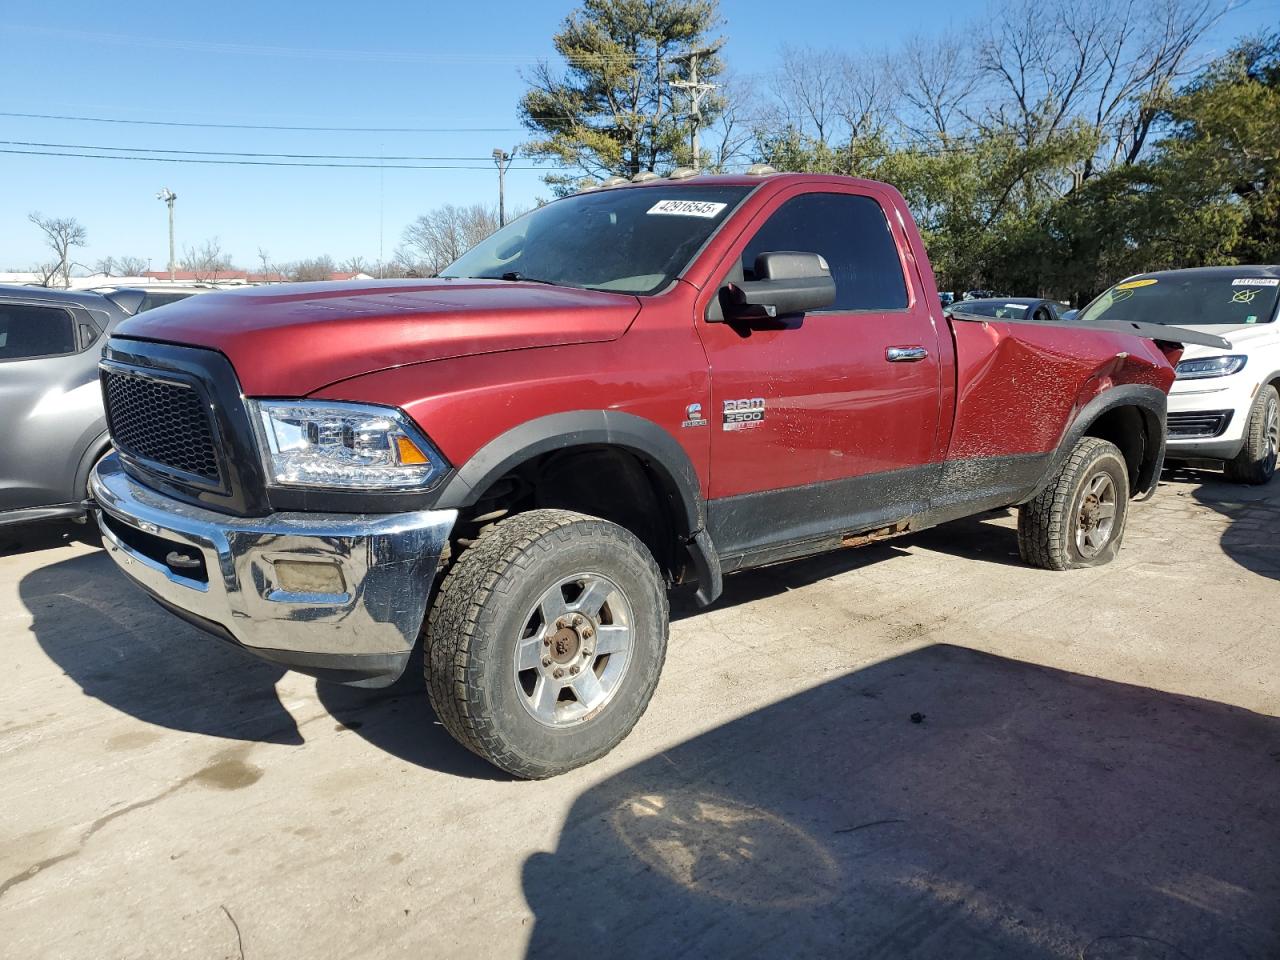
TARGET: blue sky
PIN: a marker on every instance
(397, 64)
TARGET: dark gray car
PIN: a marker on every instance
(52, 428)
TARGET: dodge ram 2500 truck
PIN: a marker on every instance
(633, 387)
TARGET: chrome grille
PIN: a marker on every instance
(161, 422)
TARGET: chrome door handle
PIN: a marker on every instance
(905, 354)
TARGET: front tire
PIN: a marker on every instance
(545, 642)
(1255, 464)
(1078, 519)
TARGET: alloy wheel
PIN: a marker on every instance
(1095, 521)
(574, 649)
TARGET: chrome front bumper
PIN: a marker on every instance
(376, 572)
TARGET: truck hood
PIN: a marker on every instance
(293, 339)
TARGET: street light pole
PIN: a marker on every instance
(168, 196)
(503, 160)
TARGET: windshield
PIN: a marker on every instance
(625, 240)
(1189, 300)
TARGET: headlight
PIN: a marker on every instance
(319, 443)
(1201, 369)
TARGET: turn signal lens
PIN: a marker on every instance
(409, 452)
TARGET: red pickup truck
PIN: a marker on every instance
(630, 388)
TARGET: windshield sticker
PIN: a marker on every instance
(688, 208)
(1251, 318)
(1135, 284)
(1243, 296)
(1121, 294)
(1256, 282)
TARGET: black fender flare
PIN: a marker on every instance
(653, 446)
(1150, 402)
(94, 451)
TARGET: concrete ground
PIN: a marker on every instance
(917, 749)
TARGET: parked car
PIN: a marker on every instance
(142, 299)
(1013, 308)
(50, 398)
(629, 388)
(1224, 405)
(946, 297)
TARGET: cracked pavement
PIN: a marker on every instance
(1095, 771)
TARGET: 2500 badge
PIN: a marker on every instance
(743, 414)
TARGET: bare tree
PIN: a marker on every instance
(436, 239)
(47, 272)
(206, 261)
(264, 258)
(935, 90)
(355, 264)
(105, 266)
(131, 266)
(1049, 64)
(61, 234)
(315, 268)
(730, 137)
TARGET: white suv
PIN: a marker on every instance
(1224, 404)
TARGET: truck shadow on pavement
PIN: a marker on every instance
(124, 650)
(941, 804)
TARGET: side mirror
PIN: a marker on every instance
(787, 282)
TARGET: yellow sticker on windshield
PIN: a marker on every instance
(1134, 284)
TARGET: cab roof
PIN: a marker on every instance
(83, 298)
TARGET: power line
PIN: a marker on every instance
(231, 153)
(320, 53)
(257, 163)
(255, 126)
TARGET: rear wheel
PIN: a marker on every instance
(1256, 461)
(546, 640)
(1078, 519)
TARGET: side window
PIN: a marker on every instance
(27, 332)
(852, 233)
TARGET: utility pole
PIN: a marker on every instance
(697, 92)
(503, 160)
(168, 196)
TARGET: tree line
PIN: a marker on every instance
(1049, 148)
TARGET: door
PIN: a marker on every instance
(828, 421)
(50, 401)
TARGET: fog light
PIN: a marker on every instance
(309, 576)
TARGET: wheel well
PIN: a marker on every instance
(1127, 428)
(599, 480)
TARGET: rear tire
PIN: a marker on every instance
(1078, 519)
(1255, 464)
(543, 593)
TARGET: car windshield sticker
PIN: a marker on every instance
(1243, 296)
(1251, 318)
(1256, 282)
(1134, 284)
(1121, 294)
(688, 208)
